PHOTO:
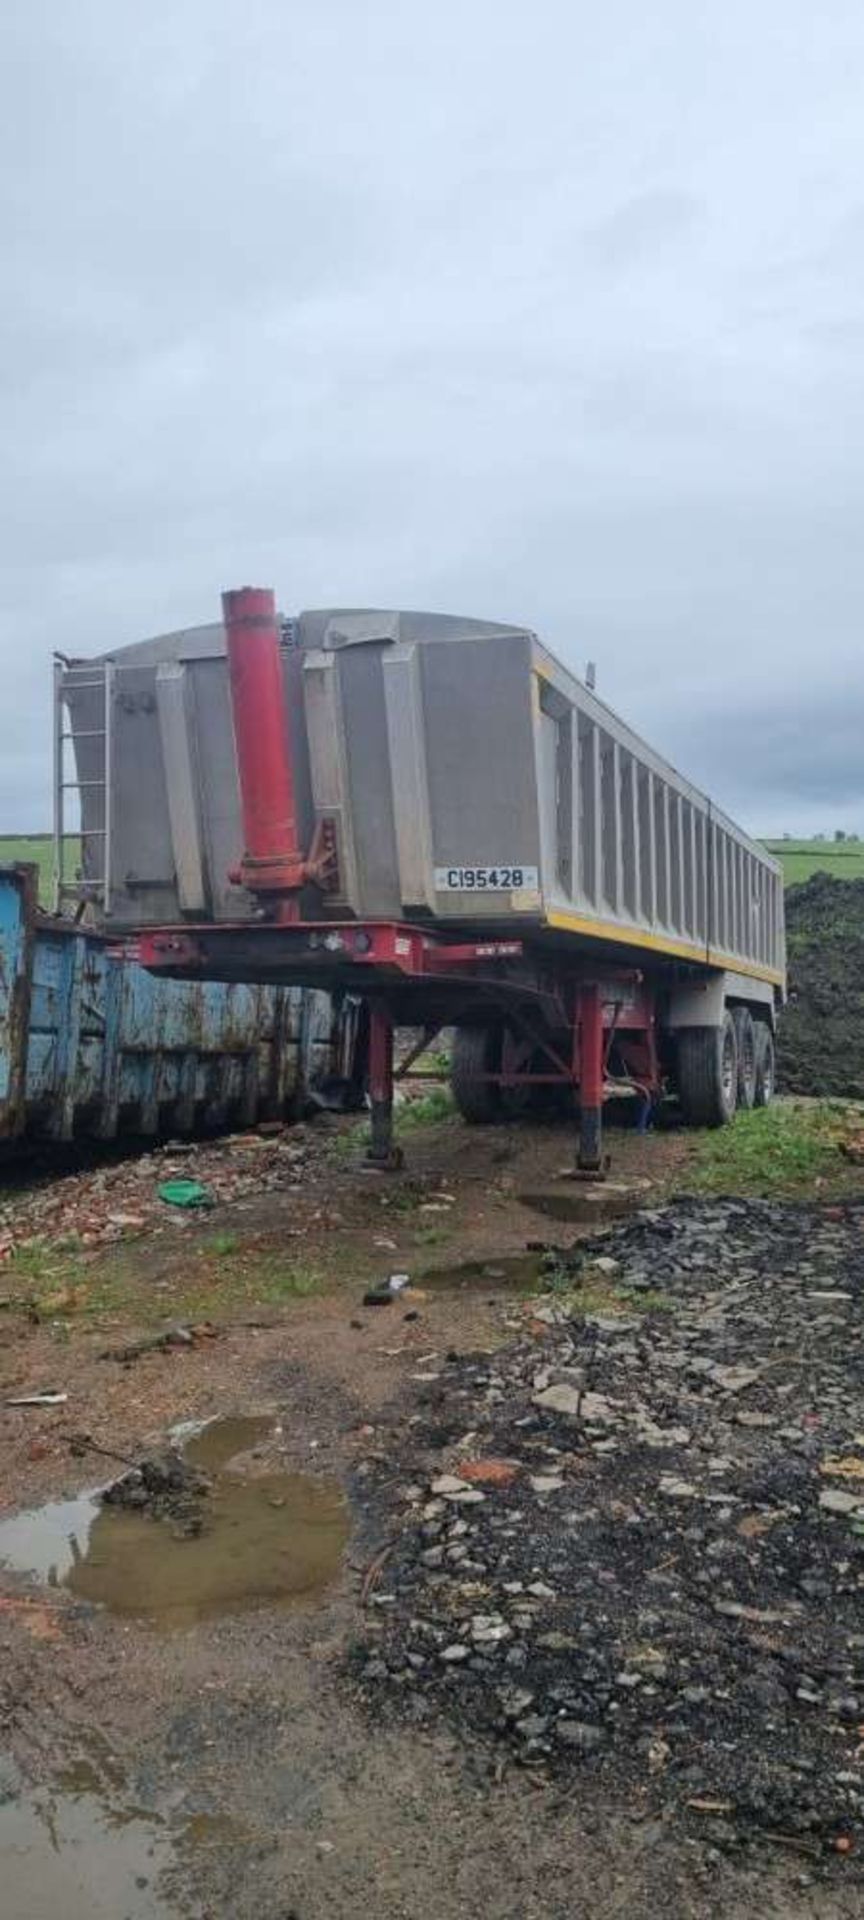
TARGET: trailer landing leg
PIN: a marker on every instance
(590, 1155)
(382, 1152)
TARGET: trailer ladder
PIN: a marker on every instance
(94, 677)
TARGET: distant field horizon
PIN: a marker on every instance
(843, 859)
(33, 849)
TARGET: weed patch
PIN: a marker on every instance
(792, 1149)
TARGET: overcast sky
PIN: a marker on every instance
(549, 313)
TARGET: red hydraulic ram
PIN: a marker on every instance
(273, 861)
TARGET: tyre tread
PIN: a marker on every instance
(700, 1075)
(477, 1100)
(764, 1047)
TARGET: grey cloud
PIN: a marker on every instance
(547, 314)
(634, 233)
(798, 752)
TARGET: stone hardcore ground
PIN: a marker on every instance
(256, 1765)
(631, 1547)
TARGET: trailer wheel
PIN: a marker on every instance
(766, 1071)
(745, 1035)
(475, 1051)
(708, 1073)
(516, 1055)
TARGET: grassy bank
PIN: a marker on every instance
(796, 1149)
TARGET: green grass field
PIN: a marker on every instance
(35, 848)
(843, 859)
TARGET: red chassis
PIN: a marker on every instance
(562, 1021)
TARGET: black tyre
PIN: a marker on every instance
(476, 1051)
(766, 1070)
(708, 1073)
(745, 1035)
(515, 1054)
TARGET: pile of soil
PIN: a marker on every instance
(634, 1547)
(165, 1488)
(821, 1038)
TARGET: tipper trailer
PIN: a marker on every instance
(434, 813)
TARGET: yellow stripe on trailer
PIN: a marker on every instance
(659, 943)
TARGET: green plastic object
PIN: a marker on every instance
(185, 1193)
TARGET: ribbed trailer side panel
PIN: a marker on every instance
(633, 853)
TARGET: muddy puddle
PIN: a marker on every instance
(513, 1272)
(78, 1846)
(82, 1845)
(266, 1538)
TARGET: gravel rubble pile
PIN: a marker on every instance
(110, 1202)
(635, 1545)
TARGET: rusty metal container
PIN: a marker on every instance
(91, 1045)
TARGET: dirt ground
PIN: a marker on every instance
(821, 1039)
(225, 1766)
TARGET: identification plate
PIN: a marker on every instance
(503, 879)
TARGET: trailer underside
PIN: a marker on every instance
(561, 1019)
